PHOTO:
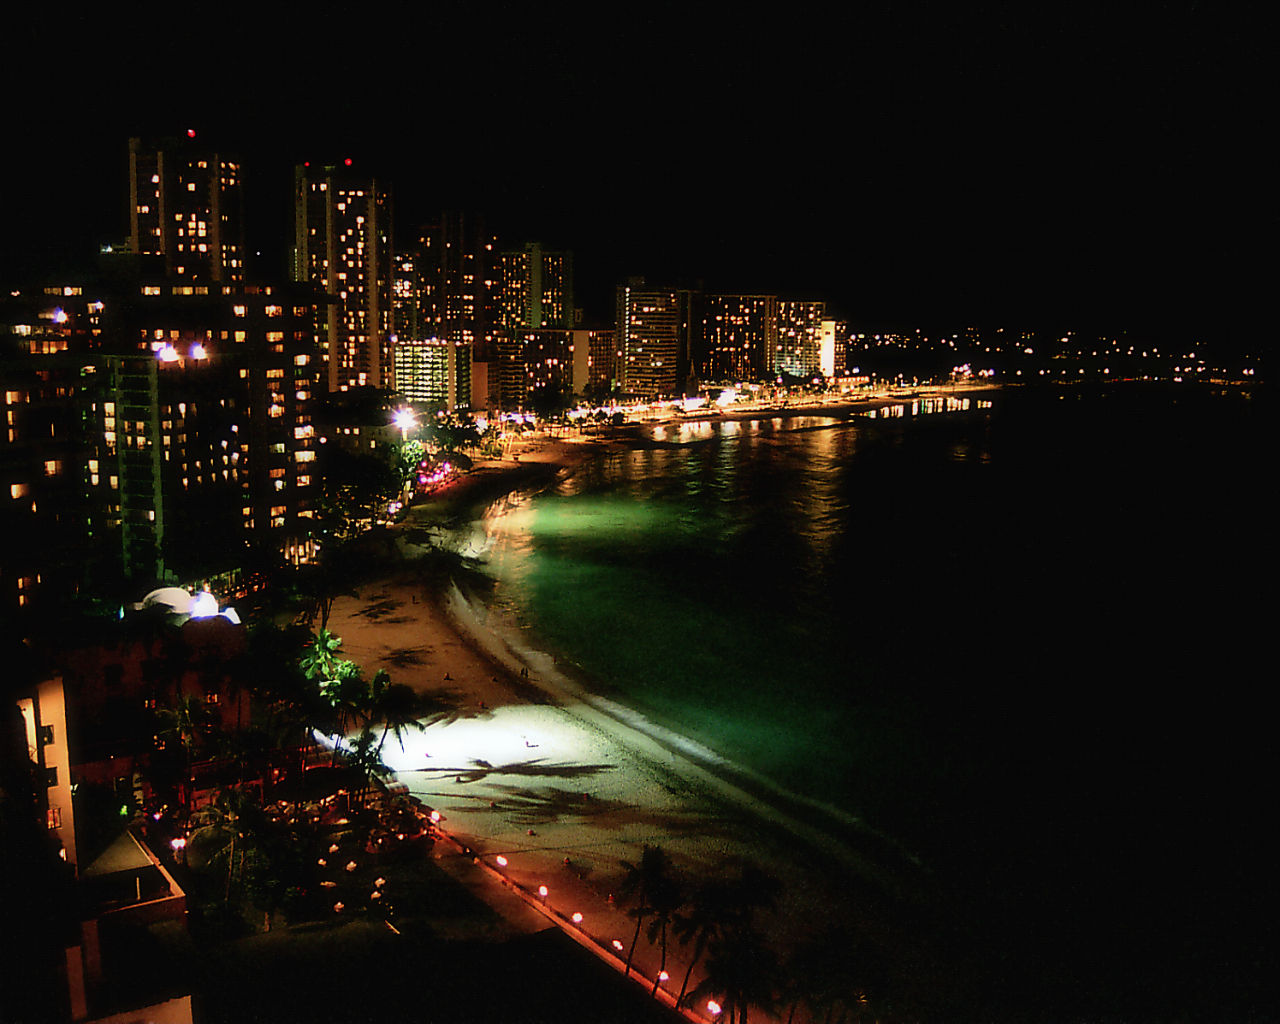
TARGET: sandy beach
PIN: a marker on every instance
(567, 786)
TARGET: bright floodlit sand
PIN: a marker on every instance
(538, 770)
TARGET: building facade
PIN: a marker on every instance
(648, 334)
(739, 335)
(798, 349)
(183, 441)
(186, 206)
(343, 247)
(434, 372)
(458, 282)
(535, 289)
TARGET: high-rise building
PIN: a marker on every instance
(187, 442)
(594, 362)
(535, 315)
(46, 525)
(648, 335)
(459, 282)
(739, 335)
(406, 298)
(535, 289)
(841, 347)
(185, 205)
(206, 422)
(530, 360)
(434, 372)
(798, 350)
(342, 245)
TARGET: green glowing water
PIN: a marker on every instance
(1008, 637)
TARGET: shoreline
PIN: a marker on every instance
(569, 784)
(538, 761)
(569, 793)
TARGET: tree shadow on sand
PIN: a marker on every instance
(380, 608)
(535, 768)
(526, 806)
(404, 657)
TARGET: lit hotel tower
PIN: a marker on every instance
(535, 289)
(648, 330)
(342, 244)
(804, 332)
(739, 336)
(185, 205)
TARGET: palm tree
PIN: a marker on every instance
(667, 897)
(700, 921)
(189, 721)
(638, 888)
(833, 972)
(743, 971)
(296, 711)
(189, 725)
(350, 698)
(400, 707)
(321, 661)
(366, 757)
(319, 585)
(396, 706)
(720, 906)
(229, 826)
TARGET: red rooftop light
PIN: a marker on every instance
(191, 133)
(347, 161)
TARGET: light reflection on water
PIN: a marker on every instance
(874, 588)
(975, 629)
(698, 577)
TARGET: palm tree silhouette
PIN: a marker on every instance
(702, 920)
(720, 921)
(638, 887)
(366, 758)
(400, 708)
(743, 971)
(666, 898)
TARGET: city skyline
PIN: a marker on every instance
(908, 166)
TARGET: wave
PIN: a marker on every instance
(827, 828)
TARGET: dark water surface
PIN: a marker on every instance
(1023, 639)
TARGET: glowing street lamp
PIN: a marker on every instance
(405, 420)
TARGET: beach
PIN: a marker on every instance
(569, 787)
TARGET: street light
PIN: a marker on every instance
(405, 420)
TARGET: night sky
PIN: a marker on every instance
(914, 164)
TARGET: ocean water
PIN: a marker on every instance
(1018, 637)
